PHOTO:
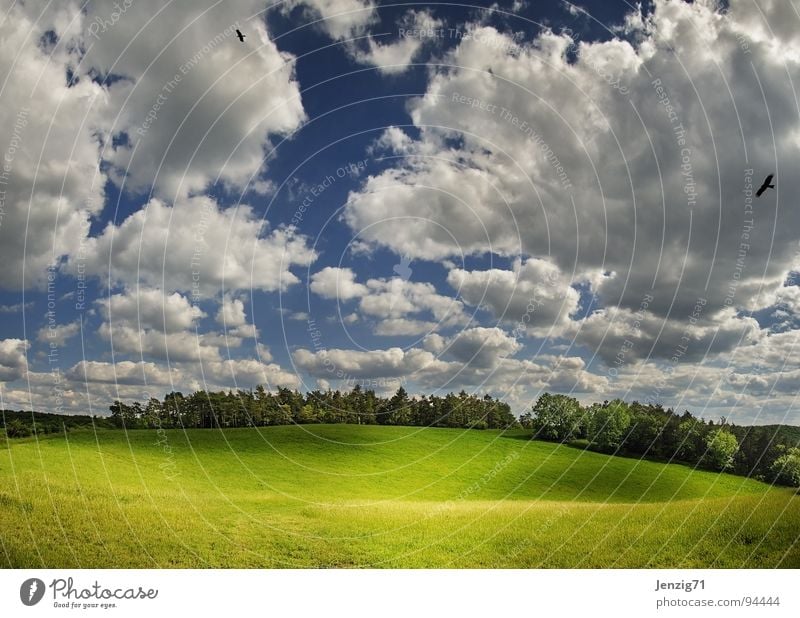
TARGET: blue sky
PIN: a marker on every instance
(505, 198)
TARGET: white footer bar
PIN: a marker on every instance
(401, 593)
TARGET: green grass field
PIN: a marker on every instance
(369, 496)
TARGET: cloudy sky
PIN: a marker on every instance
(503, 198)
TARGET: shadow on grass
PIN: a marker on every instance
(519, 434)
(585, 445)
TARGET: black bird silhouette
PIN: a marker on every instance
(240, 35)
(765, 186)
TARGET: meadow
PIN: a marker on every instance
(374, 496)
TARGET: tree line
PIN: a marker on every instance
(259, 408)
(21, 423)
(770, 453)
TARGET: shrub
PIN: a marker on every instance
(721, 447)
(691, 440)
(17, 429)
(786, 468)
(556, 417)
(609, 425)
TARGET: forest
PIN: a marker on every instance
(769, 453)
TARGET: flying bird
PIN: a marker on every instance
(765, 186)
(240, 35)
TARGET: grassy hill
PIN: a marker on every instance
(353, 496)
